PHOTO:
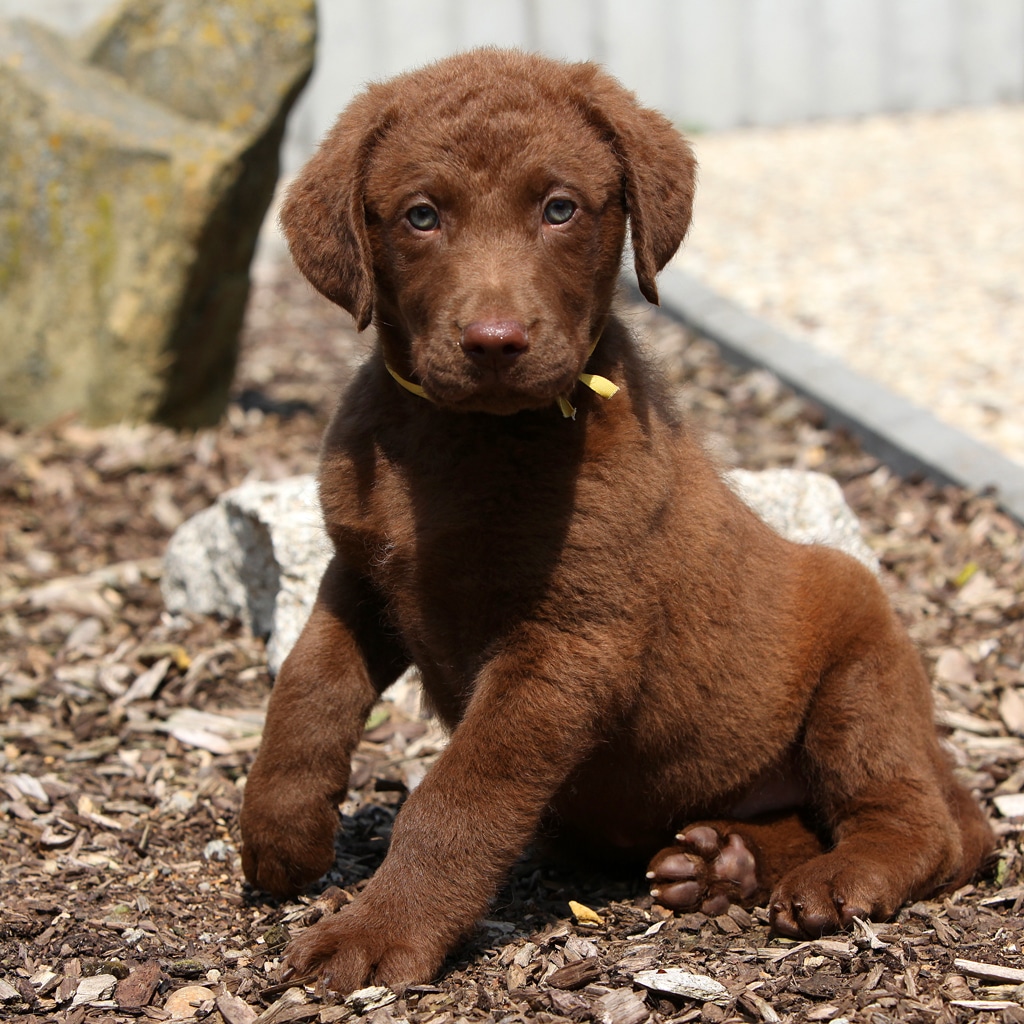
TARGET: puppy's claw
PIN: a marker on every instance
(815, 900)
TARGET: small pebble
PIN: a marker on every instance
(218, 849)
(180, 1002)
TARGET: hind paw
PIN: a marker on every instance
(826, 894)
(705, 871)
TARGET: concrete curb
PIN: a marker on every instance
(905, 437)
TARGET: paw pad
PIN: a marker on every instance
(706, 871)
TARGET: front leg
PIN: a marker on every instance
(326, 687)
(460, 831)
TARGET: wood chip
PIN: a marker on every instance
(362, 1001)
(867, 933)
(235, 1010)
(202, 740)
(726, 925)
(576, 974)
(578, 948)
(990, 972)
(525, 955)
(146, 684)
(775, 953)
(1011, 710)
(96, 989)
(330, 1014)
(69, 983)
(826, 1012)
(678, 982)
(1010, 805)
(943, 932)
(953, 666)
(839, 949)
(620, 1006)
(44, 981)
(981, 1005)
(968, 722)
(515, 977)
(26, 785)
(137, 989)
(79, 595)
(1008, 895)
(217, 733)
(568, 1004)
(758, 1006)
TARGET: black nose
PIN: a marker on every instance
(496, 344)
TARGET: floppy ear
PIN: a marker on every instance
(322, 215)
(658, 168)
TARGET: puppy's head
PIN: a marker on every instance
(478, 208)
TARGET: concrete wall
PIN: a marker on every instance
(709, 64)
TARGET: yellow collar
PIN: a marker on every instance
(599, 385)
(407, 384)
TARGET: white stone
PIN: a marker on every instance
(257, 554)
(808, 508)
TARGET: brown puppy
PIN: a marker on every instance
(620, 647)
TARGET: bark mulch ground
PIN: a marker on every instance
(126, 735)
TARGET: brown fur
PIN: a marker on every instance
(619, 646)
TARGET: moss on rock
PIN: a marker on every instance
(130, 207)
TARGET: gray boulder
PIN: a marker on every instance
(259, 552)
(136, 167)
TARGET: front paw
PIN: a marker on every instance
(351, 950)
(287, 838)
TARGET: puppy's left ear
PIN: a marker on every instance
(658, 167)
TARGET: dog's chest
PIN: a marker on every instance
(460, 561)
(455, 588)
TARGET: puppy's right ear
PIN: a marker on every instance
(322, 215)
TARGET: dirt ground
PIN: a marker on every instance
(126, 735)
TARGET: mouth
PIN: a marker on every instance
(496, 392)
(457, 377)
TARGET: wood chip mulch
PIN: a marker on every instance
(126, 734)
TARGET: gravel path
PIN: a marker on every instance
(896, 243)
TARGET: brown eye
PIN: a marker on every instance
(423, 217)
(559, 211)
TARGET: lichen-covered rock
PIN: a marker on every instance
(136, 166)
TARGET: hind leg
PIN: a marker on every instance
(901, 826)
(716, 863)
(909, 838)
